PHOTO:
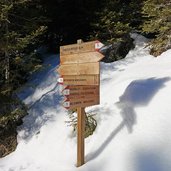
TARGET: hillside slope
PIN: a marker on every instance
(134, 121)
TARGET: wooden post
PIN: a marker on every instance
(82, 60)
(80, 131)
(80, 136)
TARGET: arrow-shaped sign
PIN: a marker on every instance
(79, 80)
(75, 91)
(80, 102)
(66, 104)
(81, 58)
(98, 45)
(79, 69)
(81, 48)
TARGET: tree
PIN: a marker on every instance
(157, 16)
(69, 20)
(20, 30)
(22, 25)
(117, 18)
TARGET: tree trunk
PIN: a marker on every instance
(7, 68)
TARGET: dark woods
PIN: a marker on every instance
(27, 25)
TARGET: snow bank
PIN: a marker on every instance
(134, 121)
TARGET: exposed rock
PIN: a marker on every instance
(117, 50)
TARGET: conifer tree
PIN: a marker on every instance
(117, 18)
(157, 16)
(20, 28)
(21, 25)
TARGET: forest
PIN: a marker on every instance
(27, 26)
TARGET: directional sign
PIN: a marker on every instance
(80, 102)
(79, 80)
(75, 91)
(79, 69)
(81, 48)
(81, 58)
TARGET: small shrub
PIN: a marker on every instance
(90, 123)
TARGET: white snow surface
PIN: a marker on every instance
(134, 119)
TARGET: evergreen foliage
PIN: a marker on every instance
(116, 20)
(11, 114)
(69, 21)
(90, 123)
(20, 29)
(157, 16)
(26, 24)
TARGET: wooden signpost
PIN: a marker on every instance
(79, 69)
(80, 90)
(79, 79)
(80, 74)
(81, 58)
(80, 101)
(81, 47)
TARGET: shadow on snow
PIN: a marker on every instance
(150, 160)
(137, 93)
(43, 109)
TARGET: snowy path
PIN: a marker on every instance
(134, 121)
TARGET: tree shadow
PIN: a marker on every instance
(40, 79)
(96, 153)
(41, 112)
(42, 100)
(150, 160)
(138, 93)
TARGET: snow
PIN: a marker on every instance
(134, 121)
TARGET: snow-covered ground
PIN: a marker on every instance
(134, 119)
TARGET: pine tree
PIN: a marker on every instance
(20, 28)
(69, 20)
(117, 18)
(157, 16)
(20, 32)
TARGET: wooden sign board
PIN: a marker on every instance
(79, 79)
(75, 91)
(80, 102)
(87, 57)
(79, 69)
(80, 48)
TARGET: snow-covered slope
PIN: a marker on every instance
(134, 119)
